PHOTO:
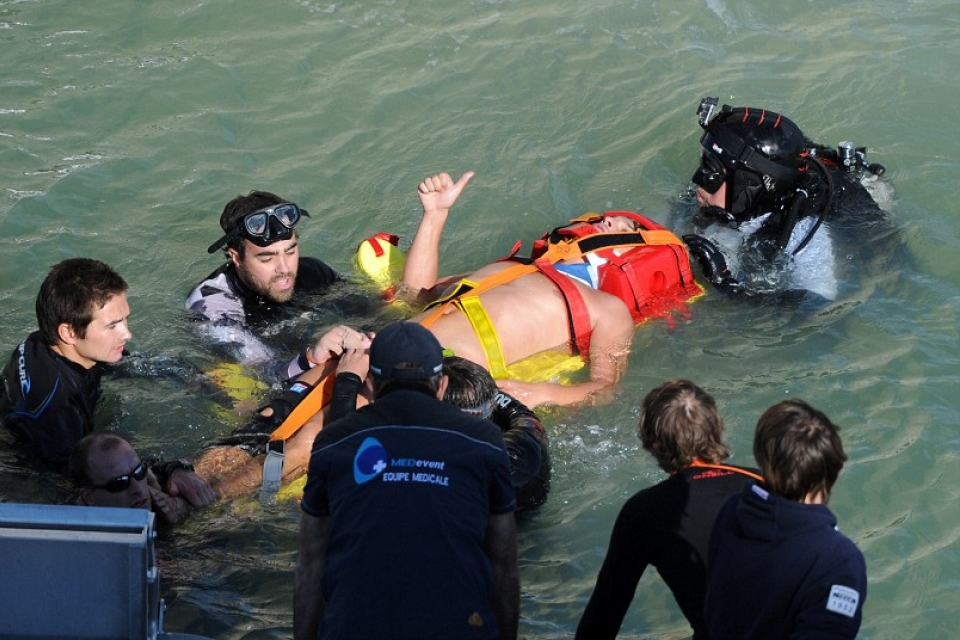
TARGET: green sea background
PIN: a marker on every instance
(125, 127)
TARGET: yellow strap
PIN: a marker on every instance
(486, 333)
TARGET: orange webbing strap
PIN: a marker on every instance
(661, 236)
(577, 314)
(316, 399)
(726, 467)
(476, 288)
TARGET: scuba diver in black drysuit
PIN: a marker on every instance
(774, 209)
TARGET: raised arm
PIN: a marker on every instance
(421, 271)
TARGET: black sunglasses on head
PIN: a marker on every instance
(123, 482)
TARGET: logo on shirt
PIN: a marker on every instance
(843, 600)
(22, 370)
(370, 461)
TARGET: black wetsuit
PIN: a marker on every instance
(668, 526)
(48, 401)
(238, 317)
(754, 259)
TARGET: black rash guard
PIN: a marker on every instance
(668, 526)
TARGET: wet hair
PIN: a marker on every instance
(70, 294)
(679, 423)
(241, 206)
(798, 449)
(470, 385)
(80, 454)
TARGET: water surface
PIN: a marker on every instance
(125, 127)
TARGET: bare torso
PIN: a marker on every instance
(529, 314)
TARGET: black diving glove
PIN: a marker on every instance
(712, 262)
(284, 404)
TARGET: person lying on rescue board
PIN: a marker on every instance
(583, 290)
(580, 295)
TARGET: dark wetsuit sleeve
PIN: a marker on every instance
(526, 443)
(346, 388)
(48, 402)
(163, 469)
(618, 578)
(252, 437)
(292, 369)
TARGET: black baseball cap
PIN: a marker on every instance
(405, 351)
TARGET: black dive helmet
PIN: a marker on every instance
(761, 155)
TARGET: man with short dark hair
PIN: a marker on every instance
(264, 281)
(778, 566)
(407, 530)
(51, 384)
(668, 525)
(52, 381)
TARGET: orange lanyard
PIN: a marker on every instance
(725, 467)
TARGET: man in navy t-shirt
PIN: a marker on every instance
(407, 528)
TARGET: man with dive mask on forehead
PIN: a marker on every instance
(264, 282)
(771, 205)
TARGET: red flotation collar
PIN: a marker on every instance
(648, 269)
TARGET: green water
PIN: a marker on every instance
(125, 126)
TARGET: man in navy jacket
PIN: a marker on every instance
(778, 567)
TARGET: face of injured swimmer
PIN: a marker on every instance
(616, 224)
